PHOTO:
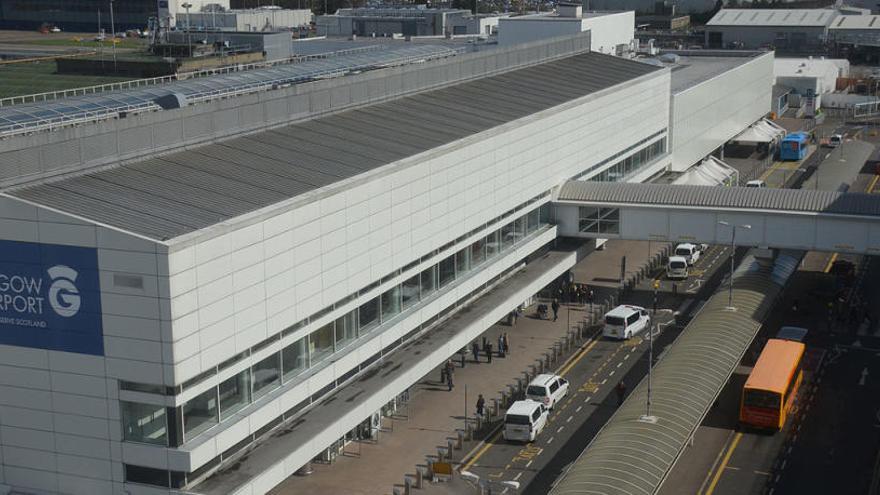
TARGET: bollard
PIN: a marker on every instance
(450, 448)
(407, 485)
(504, 398)
(440, 454)
(429, 468)
(420, 477)
(459, 443)
(495, 407)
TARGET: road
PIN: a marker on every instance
(593, 374)
(830, 442)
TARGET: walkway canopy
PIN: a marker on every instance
(763, 131)
(631, 457)
(711, 172)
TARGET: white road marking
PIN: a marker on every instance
(578, 409)
(619, 364)
(784, 462)
(569, 419)
(530, 462)
(604, 382)
(558, 430)
(612, 373)
(587, 400)
(516, 478)
(550, 441)
(625, 358)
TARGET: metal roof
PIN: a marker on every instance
(630, 457)
(773, 17)
(171, 195)
(21, 118)
(845, 22)
(702, 197)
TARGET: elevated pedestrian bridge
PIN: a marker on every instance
(778, 218)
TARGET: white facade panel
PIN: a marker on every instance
(707, 115)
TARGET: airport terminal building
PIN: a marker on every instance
(179, 286)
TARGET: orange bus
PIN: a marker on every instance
(772, 386)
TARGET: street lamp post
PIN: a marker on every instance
(647, 417)
(730, 306)
(189, 47)
(113, 39)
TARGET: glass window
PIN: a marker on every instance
(519, 228)
(267, 375)
(447, 271)
(368, 316)
(200, 413)
(534, 220)
(545, 213)
(478, 252)
(294, 358)
(346, 329)
(391, 303)
(235, 393)
(429, 280)
(462, 260)
(144, 423)
(146, 475)
(507, 236)
(409, 291)
(321, 343)
(493, 246)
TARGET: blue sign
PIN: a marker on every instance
(50, 297)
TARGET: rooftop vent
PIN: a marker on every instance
(570, 10)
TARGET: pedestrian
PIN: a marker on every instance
(501, 345)
(506, 344)
(462, 354)
(513, 315)
(555, 307)
(488, 352)
(450, 368)
(481, 404)
(449, 382)
(475, 348)
(621, 392)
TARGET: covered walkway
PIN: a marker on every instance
(775, 218)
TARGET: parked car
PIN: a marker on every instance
(835, 140)
(547, 389)
(690, 252)
(677, 268)
(524, 421)
(625, 321)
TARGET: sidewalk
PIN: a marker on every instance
(433, 413)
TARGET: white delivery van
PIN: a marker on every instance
(690, 252)
(756, 183)
(524, 420)
(625, 321)
(547, 389)
(677, 268)
(835, 140)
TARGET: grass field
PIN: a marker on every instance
(39, 77)
(88, 42)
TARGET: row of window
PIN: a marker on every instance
(620, 170)
(620, 153)
(148, 423)
(599, 220)
(195, 381)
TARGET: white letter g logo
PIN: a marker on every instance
(63, 295)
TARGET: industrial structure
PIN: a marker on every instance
(85, 15)
(211, 263)
(611, 32)
(406, 21)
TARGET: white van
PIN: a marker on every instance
(625, 321)
(835, 140)
(756, 183)
(677, 268)
(524, 420)
(690, 252)
(547, 389)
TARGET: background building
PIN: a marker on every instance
(408, 21)
(786, 30)
(263, 19)
(82, 15)
(610, 32)
(809, 78)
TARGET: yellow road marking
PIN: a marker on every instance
(589, 387)
(482, 451)
(580, 356)
(873, 183)
(831, 261)
(767, 173)
(723, 464)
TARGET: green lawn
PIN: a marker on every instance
(89, 42)
(32, 77)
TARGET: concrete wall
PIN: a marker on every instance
(46, 154)
(237, 284)
(709, 114)
(59, 414)
(608, 31)
(754, 37)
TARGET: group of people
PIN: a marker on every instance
(447, 371)
(571, 292)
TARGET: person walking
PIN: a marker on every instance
(488, 348)
(461, 354)
(481, 405)
(450, 368)
(555, 307)
(621, 392)
(475, 348)
(449, 381)
(506, 343)
(513, 315)
(501, 350)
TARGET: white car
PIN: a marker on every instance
(835, 140)
(625, 321)
(690, 252)
(677, 268)
(547, 389)
(756, 183)
(55, 29)
(524, 420)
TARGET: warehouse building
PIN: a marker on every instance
(418, 20)
(245, 20)
(611, 32)
(785, 30)
(188, 298)
(82, 15)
